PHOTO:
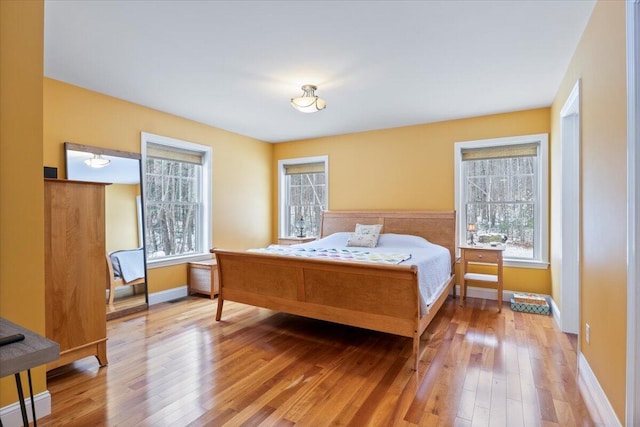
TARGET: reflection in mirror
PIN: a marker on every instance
(125, 287)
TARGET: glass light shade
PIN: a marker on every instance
(97, 161)
(308, 105)
(471, 227)
(308, 102)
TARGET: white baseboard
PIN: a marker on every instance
(168, 295)
(555, 312)
(486, 293)
(11, 415)
(594, 397)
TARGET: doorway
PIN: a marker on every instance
(570, 265)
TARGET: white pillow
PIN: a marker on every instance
(366, 236)
(391, 240)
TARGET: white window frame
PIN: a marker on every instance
(282, 164)
(205, 214)
(541, 229)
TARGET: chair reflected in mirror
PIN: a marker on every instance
(126, 268)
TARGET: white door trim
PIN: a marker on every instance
(632, 412)
(570, 264)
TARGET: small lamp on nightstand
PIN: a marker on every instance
(300, 226)
(471, 228)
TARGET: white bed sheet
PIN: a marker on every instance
(433, 261)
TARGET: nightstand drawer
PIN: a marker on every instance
(480, 255)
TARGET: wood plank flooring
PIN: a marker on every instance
(176, 366)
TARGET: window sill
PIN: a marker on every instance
(522, 263)
(165, 262)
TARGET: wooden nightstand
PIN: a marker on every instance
(202, 278)
(481, 255)
(294, 240)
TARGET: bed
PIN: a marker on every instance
(125, 268)
(380, 297)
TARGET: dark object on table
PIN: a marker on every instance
(11, 339)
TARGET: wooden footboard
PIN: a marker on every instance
(379, 297)
(383, 298)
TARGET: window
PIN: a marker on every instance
(501, 188)
(177, 199)
(303, 195)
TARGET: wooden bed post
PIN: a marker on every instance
(220, 298)
(219, 311)
(416, 350)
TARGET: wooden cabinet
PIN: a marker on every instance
(202, 276)
(294, 240)
(481, 255)
(75, 270)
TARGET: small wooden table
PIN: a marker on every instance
(481, 255)
(202, 278)
(294, 240)
(34, 350)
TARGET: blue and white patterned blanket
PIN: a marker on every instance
(340, 254)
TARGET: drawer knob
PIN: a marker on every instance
(479, 256)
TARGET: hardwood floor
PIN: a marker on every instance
(176, 366)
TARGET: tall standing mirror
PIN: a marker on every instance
(126, 284)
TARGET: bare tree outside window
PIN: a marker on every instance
(306, 199)
(500, 198)
(172, 207)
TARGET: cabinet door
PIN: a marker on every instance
(75, 266)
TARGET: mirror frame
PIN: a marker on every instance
(70, 146)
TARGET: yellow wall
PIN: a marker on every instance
(121, 216)
(241, 165)
(418, 161)
(21, 177)
(410, 168)
(600, 63)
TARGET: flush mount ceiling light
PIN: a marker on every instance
(97, 161)
(308, 102)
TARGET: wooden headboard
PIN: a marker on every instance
(438, 227)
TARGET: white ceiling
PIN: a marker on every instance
(379, 64)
